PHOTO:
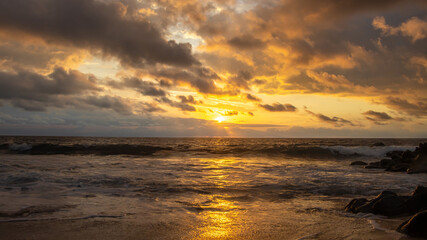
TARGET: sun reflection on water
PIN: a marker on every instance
(223, 221)
(221, 218)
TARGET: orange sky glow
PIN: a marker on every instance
(234, 68)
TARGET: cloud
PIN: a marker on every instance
(333, 9)
(35, 55)
(181, 105)
(185, 103)
(379, 118)
(414, 28)
(241, 79)
(230, 113)
(95, 25)
(278, 107)
(117, 104)
(336, 121)
(33, 86)
(141, 86)
(188, 99)
(246, 42)
(251, 97)
(62, 89)
(201, 78)
(415, 108)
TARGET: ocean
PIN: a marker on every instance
(195, 188)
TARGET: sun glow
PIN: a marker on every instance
(220, 119)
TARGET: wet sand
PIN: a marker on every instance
(313, 225)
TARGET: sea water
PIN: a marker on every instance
(202, 188)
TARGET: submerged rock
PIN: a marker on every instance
(358, 163)
(388, 203)
(378, 144)
(416, 226)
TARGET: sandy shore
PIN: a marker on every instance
(104, 229)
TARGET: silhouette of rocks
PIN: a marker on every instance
(361, 163)
(388, 203)
(404, 161)
(416, 226)
(378, 144)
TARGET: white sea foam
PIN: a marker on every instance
(20, 147)
(368, 151)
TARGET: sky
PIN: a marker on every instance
(214, 68)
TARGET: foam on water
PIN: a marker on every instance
(367, 150)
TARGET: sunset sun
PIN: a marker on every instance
(220, 119)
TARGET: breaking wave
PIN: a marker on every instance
(144, 150)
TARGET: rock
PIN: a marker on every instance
(422, 148)
(399, 167)
(419, 165)
(385, 163)
(388, 203)
(395, 154)
(404, 161)
(418, 200)
(378, 144)
(358, 163)
(374, 165)
(409, 155)
(355, 204)
(415, 226)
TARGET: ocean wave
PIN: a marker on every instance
(368, 151)
(144, 150)
(85, 149)
(20, 147)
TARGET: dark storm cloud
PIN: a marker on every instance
(332, 9)
(337, 121)
(278, 107)
(32, 86)
(144, 87)
(246, 42)
(97, 25)
(61, 89)
(107, 102)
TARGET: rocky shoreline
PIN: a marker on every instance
(390, 204)
(401, 161)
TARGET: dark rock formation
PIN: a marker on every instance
(404, 161)
(378, 144)
(358, 163)
(419, 165)
(374, 165)
(388, 203)
(416, 226)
